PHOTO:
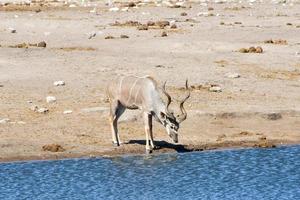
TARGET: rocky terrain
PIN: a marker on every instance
(242, 59)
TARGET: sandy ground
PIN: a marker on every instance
(260, 109)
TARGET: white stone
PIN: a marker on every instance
(21, 122)
(172, 22)
(124, 9)
(95, 109)
(232, 75)
(215, 89)
(42, 110)
(59, 83)
(72, 6)
(93, 11)
(114, 9)
(34, 108)
(180, 3)
(50, 99)
(203, 14)
(67, 111)
(4, 121)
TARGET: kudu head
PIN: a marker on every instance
(168, 119)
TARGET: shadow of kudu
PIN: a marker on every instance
(164, 146)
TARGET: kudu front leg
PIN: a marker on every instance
(148, 124)
(116, 110)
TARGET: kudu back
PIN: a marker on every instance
(130, 92)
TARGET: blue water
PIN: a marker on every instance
(230, 174)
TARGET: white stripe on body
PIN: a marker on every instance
(129, 96)
(120, 85)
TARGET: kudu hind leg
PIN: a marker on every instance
(151, 133)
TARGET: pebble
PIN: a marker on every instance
(12, 30)
(215, 89)
(124, 36)
(183, 14)
(43, 110)
(91, 35)
(34, 108)
(232, 75)
(59, 83)
(164, 34)
(4, 121)
(67, 111)
(50, 99)
(42, 44)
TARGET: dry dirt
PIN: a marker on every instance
(258, 109)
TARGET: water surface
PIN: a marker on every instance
(230, 174)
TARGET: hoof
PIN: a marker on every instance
(115, 144)
(155, 147)
(148, 151)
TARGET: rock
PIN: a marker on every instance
(160, 66)
(243, 50)
(232, 75)
(279, 41)
(272, 116)
(67, 112)
(173, 26)
(164, 34)
(12, 30)
(42, 44)
(252, 50)
(109, 37)
(1, 85)
(34, 108)
(150, 23)
(124, 36)
(59, 83)
(258, 50)
(43, 110)
(50, 99)
(210, 8)
(289, 24)
(114, 9)
(21, 122)
(215, 89)
(131, 4)
(142, 27)
(183, 14)
(4, 121)
(162, 24)
(53, 148)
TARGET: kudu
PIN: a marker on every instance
(130, 92)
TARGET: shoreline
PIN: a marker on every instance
(123, 151)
